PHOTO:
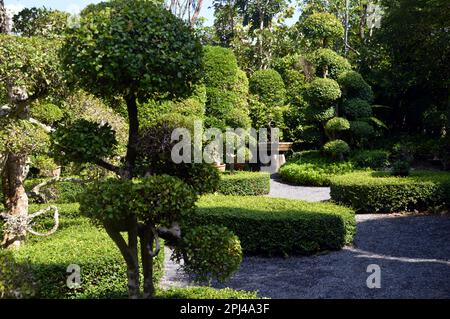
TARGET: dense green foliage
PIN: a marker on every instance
(269, 226)
(83, 142)
(377, 192)
(103, 271)
(133, 48)
(210, 252)
(244, 183)
(322, 27)
(205, 293)
(336, 148)
(311, 169)
(42, 22)
(371, 158)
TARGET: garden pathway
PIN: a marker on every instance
(310, 194)
(412, 252)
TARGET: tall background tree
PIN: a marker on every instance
(3, 18)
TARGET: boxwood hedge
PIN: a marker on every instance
(103, 269)
(272, 226)
(244, 183)
(379, 192)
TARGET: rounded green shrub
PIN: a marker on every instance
(154, 199)
(336, 148)
(401, 168)
(220, 67)
(269, 87)
(371, 158)
(244, 183)
(327, 61)
(132, 47)
(322, 92)
(323, 27)
(379, 192)
(354, 86)
(209, 252)
(337, 124)
(83, 141)
(357, 108)
(361, 129)
(274, 226)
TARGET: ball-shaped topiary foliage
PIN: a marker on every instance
(220, 67)
(328, 62)
(83, 142)
(315, 114)
(361, 129)
(322, 92)
(210, 252)
(354, 86)
(337, 124)
(336, 148)
(357, 109)
(159, 200)
(134, 48)
(323, 27)
(269, 87)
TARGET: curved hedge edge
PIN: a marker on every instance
(378, 192)
(273, 226)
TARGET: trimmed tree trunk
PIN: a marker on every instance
(147, 239)
(16, 200)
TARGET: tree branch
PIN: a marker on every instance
(109, 166)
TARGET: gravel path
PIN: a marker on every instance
(310, 194)
(413, 253)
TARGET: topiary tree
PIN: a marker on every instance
(329, 64)
(29, 71)
(226, 89)
(354, 86)
(137, 50)
(322, 28)
(336, 125)
(356, 108)
(268, 99)
(337, 149)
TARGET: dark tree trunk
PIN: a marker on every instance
(15, 200)
(147, 239)
(133, 136)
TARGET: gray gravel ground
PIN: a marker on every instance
(412, 251)
(310, 194)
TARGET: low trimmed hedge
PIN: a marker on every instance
(310, 168)
(205, 293)
(244, 183)
(272, 226)
(103, 269)
(379, 192)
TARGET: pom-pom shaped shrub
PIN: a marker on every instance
(361, 129)
(354, 86)
(337, 124)
(83, 141)
(46, 112)
(220, 67)
(210, 252)
(155, 199)
(322, 26)
(269, 86)
(322, 92)
(336, 148)
(328, 62)
(357, 108)
(27, 137)
(132, 47)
